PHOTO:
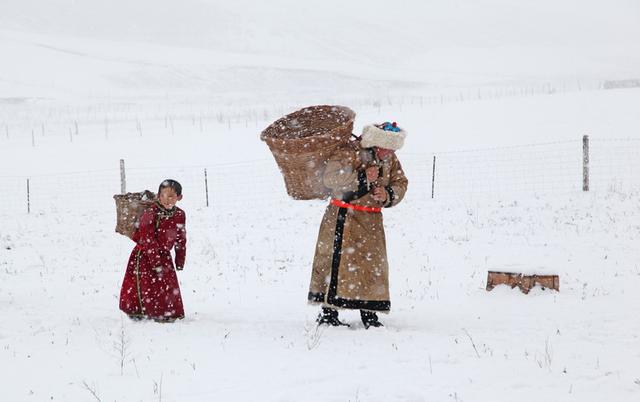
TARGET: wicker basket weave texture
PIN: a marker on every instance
(129, 208)
(303, 141)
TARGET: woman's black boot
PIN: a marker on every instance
(329, 316)
(370, 319)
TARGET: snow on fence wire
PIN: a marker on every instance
(552, 168)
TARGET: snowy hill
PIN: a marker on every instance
(63, 47)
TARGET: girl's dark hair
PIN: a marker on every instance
(172, 184)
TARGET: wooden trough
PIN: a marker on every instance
(524, 282)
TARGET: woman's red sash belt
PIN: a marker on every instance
(343, 204)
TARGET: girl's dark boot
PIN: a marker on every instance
(329, 316)
(370, 319)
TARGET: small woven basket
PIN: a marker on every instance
(129, 208)
(303, 141)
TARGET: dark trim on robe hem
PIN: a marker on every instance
(316, 297)
(376, 305)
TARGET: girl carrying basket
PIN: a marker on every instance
(150, 288)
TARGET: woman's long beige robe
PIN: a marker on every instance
(350, 268)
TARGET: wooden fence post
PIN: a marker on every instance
(585, 163)
(123, 178)
(433, 176)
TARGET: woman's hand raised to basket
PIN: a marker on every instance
(372, 173)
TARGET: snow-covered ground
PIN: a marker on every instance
(249, 334)
(500, 93)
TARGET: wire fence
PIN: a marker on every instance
(40, 123)
(615, 164)
(518, 171)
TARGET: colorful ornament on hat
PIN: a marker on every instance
(387, 126)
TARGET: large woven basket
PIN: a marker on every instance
(303, 141)
(129, 208)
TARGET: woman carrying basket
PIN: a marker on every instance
(350, 269)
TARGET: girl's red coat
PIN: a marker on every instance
(150, 287)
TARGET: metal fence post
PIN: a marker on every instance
(206, 186)
(433, 176)
(28, 198)
(585, 163)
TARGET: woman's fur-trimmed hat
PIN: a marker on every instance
(386, 135)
